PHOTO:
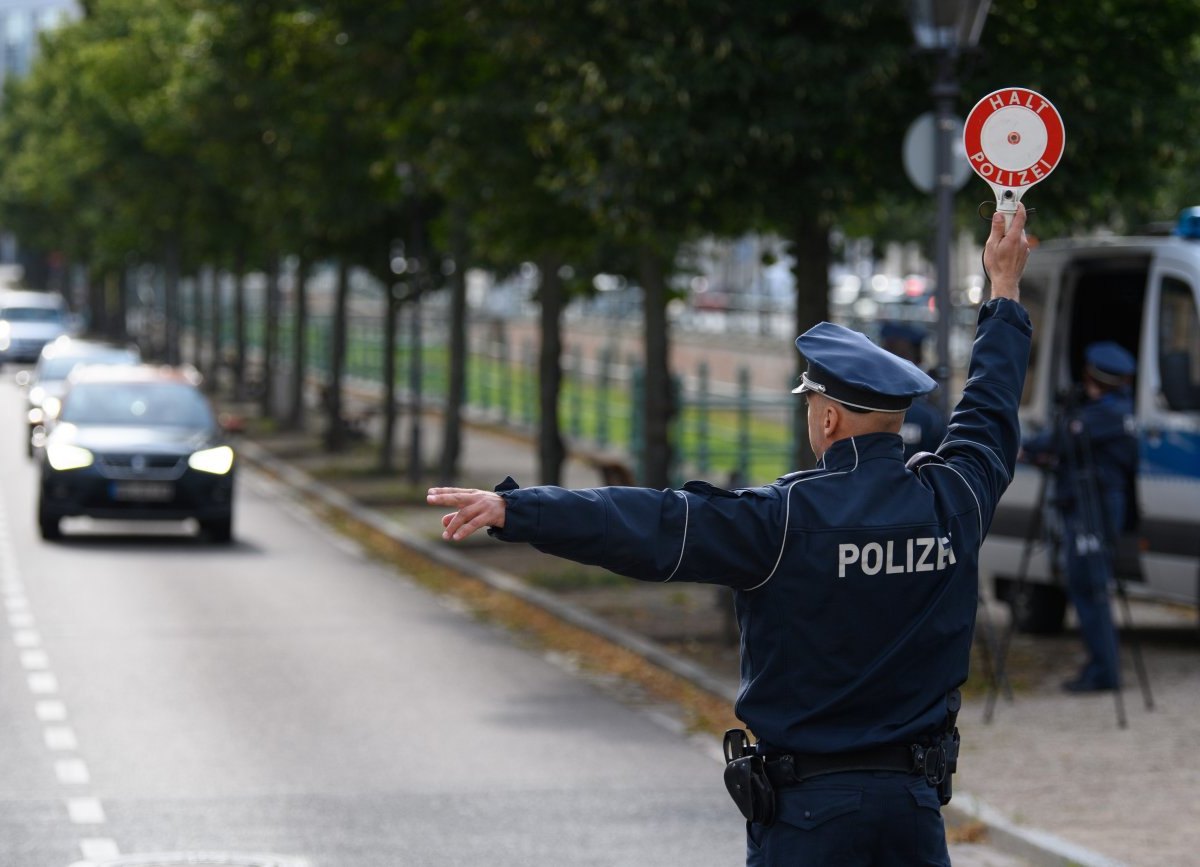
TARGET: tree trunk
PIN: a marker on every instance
(295, 417)
(551, 450)
(456, 394)
(270, 339)
(171, 305)
(810, 248)
(387, 458)
(211, 282)
(197, 322)
(659, 403)
(335, 425)
(239, 327)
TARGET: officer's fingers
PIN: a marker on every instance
(1018, 221)
(469, 520)
(997, 231)
(451, 496)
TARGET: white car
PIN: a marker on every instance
(30, 320)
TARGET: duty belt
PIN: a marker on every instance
(789, 769)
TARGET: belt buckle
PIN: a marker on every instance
(931, 762)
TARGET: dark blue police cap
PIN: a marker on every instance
(846, 366)
(1111, 359)
(902, 331)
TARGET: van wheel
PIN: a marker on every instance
(1037, 609)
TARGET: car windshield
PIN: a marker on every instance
(31, 314)
(54, 369)
(156, 404)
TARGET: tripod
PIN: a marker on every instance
(1095, 538)
(1092, 542)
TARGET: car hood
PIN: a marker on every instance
(128, 438)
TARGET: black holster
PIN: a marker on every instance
(747, 781)
(949, 742)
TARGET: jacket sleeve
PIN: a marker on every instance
(700, 533)
(984, 433)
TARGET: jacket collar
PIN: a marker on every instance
(847, 454)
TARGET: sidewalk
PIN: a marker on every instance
(1052, 777)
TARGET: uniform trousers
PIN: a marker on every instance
(1089, 568)
(853, 819)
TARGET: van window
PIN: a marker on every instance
(1106, 303)
(1179, 346)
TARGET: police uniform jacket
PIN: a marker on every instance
(1098, 442)
(856, 583)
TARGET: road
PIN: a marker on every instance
(288, 695)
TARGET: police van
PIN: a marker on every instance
(1142, 292)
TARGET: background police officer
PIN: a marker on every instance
(924, 425)
(1094, 453)
(856, 583)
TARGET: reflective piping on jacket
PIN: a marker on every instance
(788, 512)
(687, 514)
(987, 449)
(978, 508)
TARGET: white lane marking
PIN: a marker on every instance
(27, 638)
(35, 660)
(60, 738)
(20, 620)
(85, 811)
(43, 683)
(51, 710)
(99, 849)
(72, 772)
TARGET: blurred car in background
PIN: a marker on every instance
(138, 443)
(30, 320)
(44, 386)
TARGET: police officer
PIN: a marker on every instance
(856, 584)
(924, 426)
(1094, 453)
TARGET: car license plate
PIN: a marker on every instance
(143, 492)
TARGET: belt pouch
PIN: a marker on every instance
(746, 780)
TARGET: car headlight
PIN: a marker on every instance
(36, 395)
(36, 416)
(217, 461)
(51, 406)
(61, 456)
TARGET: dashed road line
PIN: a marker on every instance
(59, 737)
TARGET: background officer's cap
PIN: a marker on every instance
(846, 366)
(1110, 360)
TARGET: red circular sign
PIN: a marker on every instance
(1013, 137)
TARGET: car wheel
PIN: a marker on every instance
(49, 525)
(219, 530)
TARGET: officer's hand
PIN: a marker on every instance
(475, 509)
(1005, 253)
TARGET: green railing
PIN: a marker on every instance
(725, 433)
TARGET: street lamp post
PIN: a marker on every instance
(945, 29)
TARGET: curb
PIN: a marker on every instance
(1039, 848)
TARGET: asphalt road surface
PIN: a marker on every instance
(287, 695)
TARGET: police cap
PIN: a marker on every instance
(846, 366)
(1109, 361)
